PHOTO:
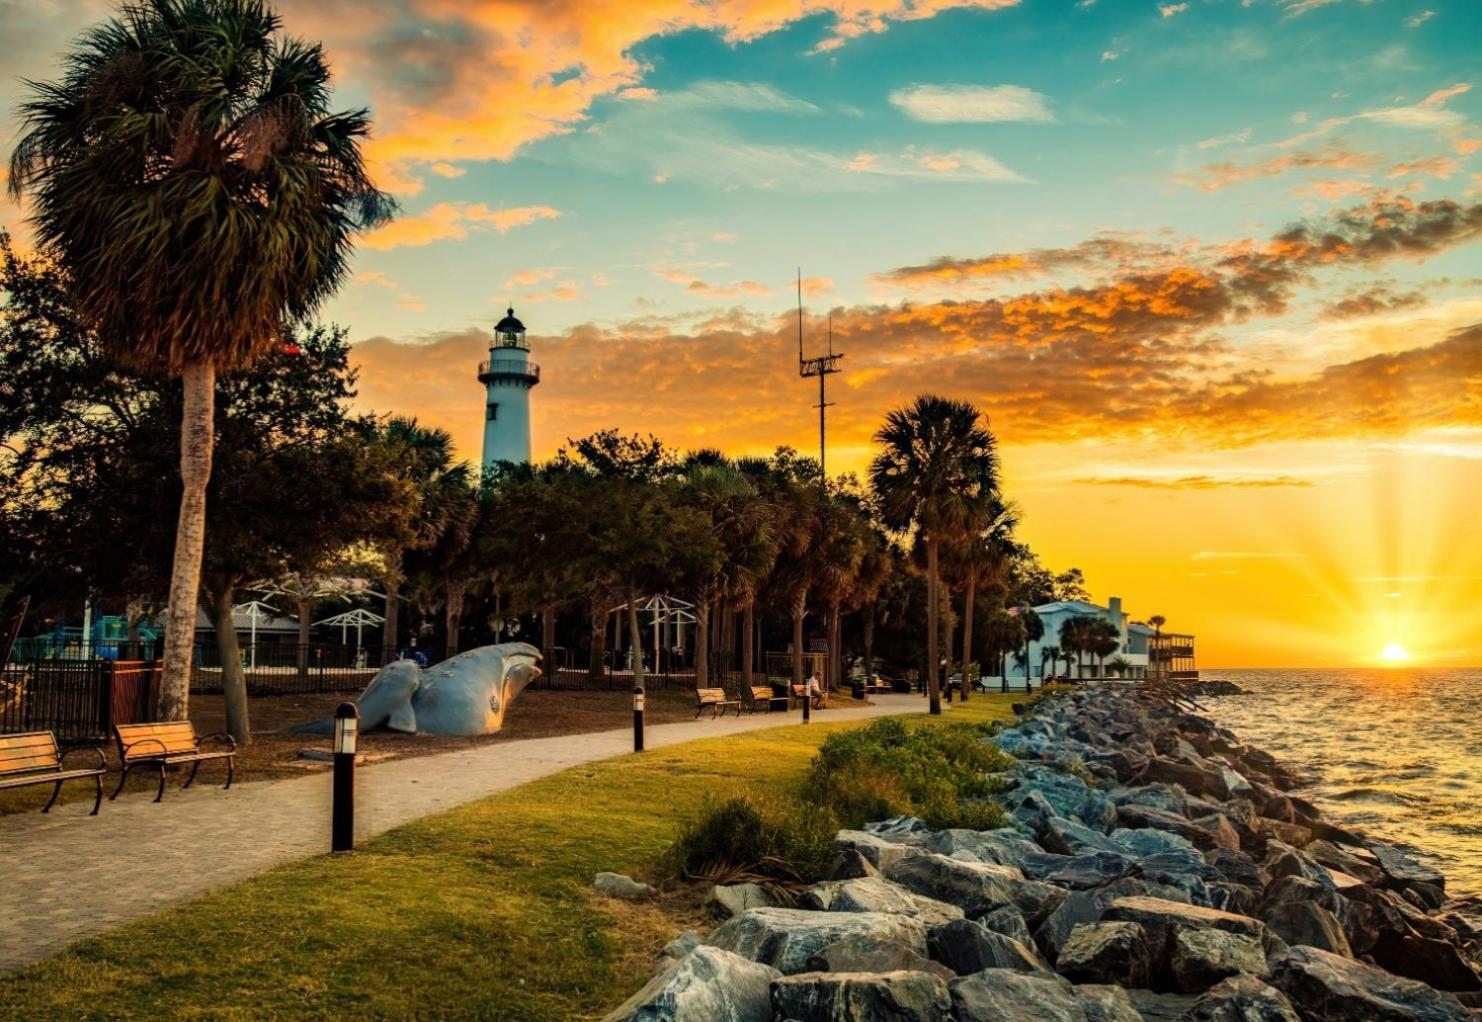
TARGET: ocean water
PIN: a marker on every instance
(1396, 752)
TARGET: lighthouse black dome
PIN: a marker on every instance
(509, 325)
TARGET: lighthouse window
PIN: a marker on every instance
(493, 411)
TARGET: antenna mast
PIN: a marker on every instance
(821, 366)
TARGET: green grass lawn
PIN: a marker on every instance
(482, 912)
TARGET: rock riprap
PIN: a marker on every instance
(1155, 868)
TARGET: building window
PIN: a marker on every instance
(493, 410)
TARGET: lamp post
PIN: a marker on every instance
(637, 718)
(342, 827)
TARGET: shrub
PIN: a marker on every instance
(752, 836)
(945, 774)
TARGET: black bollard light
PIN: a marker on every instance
(342, 827)
(637, 718)
(807, 701)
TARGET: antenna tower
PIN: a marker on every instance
(821, 366)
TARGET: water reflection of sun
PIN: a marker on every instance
(1394, 653)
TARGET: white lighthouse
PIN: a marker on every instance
(507, 376)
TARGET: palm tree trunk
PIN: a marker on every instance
(389, 627)
(233, 681)
(799, 608)
(455, 589)
(869, 640)
(599, 639)
(967, 633)
(702, 641)
(933, 681)
(835, 653)
(748, 650)
(197, 438)
(635, 634)
(133, 613)
(305, 615)
(547, 629)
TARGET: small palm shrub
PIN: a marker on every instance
(944, 774)
(762, 838)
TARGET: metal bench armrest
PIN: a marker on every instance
(232, 742)
(102, 759)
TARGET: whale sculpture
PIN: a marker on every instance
(465, 695)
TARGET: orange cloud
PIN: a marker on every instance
(1139, 356)
(1434, 166)
(452, 221)
(1222, 175)
(480, 79)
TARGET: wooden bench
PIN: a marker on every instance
(715, 699)
(167, 744)
(33, 758)
(800, 692)
(760, 697)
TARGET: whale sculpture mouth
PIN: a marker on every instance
(467, 694)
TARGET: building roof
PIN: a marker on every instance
(1140, 628)
(1074, 606)
(509, 325)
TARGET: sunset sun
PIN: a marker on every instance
(1394, 653)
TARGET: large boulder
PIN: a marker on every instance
(857, 953)
(1103, 1003)
(1135, 817)
(728, 900)
(1201, 958)
(1004, 846)
(1436, 962)
(966, 947)
(1087, 907)
(1008, 921)
(1242, 999)
(1067, 837)
(862, 997)
(879, 851)
(785, 938)
(1094, 869)
(975, 887)
(1106, 953)
(1162, 919)
(619, 885)
(1326, 986)
(1307, 922)
(876, 894)
(706, 985)
(996, 995)
(1151, 842)
(1402, 870)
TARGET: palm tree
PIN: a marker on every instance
(938, 471)
(1076, 638)
(1034, 630)
(189, 175)
(1157, 621)
(424, 458)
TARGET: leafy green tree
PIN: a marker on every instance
(937, 472)
(189, 175)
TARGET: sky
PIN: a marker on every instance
(1213, 269)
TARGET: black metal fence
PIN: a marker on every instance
(290, 668)
(77, 700)
(571, 670)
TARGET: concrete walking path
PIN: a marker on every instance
(67, 875)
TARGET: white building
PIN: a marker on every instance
(1133, 642)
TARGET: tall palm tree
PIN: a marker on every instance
(189, 175)
(424, 458)
(937, 472)
(1157, 621)
(1034, 630)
